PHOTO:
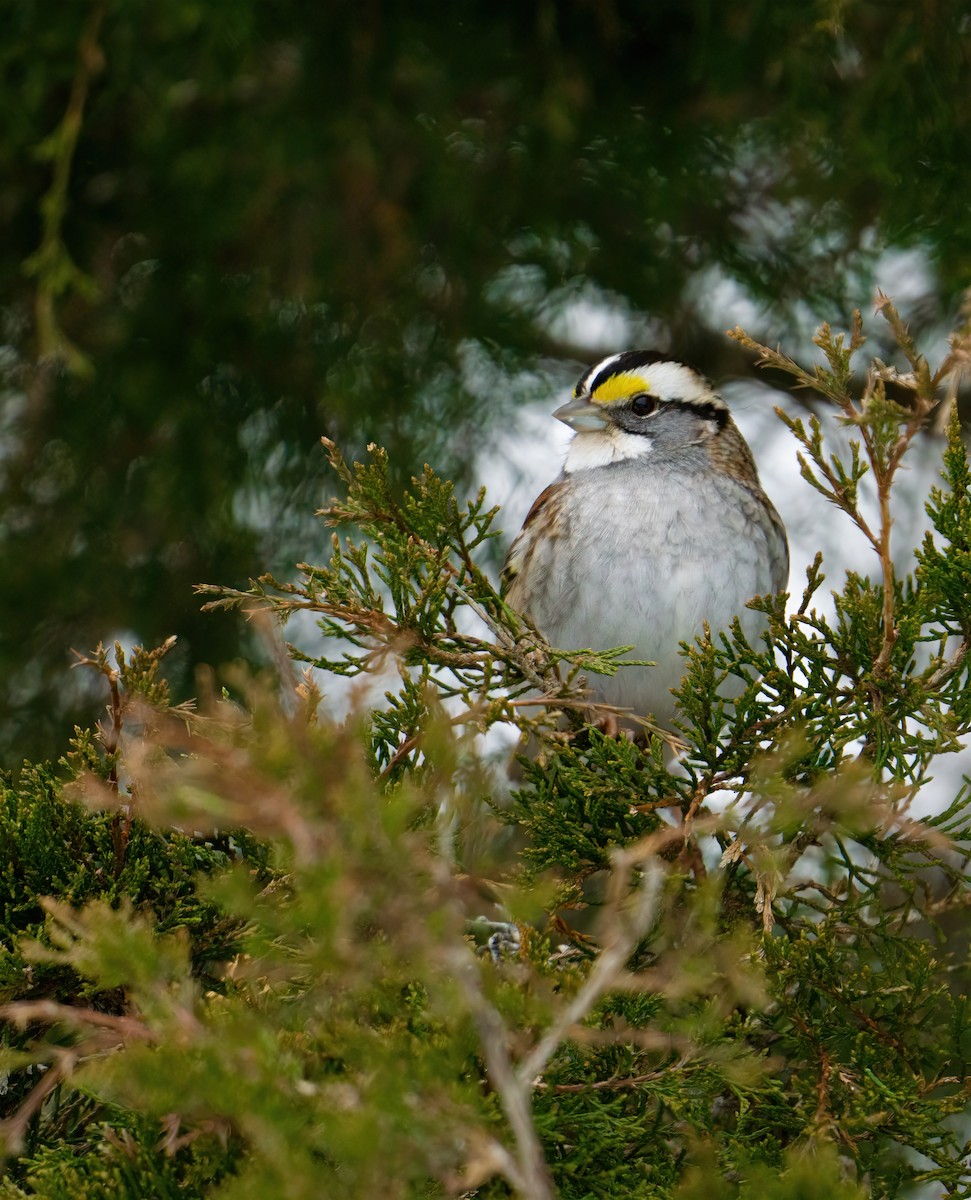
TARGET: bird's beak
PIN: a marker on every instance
(582, 414)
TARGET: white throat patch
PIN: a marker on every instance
(603, 447)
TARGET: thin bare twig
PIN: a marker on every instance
(527, 1172)
(606, 971)
(13, 1128)
(110, 1032)
(22, 1011)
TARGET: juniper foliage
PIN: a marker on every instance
(380, 983)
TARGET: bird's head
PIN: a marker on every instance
(630, 404)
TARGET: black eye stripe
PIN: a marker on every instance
(712, 412)
(643, 405)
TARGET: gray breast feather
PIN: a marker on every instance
(646, 562)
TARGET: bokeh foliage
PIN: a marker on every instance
(230, 228)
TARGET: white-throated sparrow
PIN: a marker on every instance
(656, 524)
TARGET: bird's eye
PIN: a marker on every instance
(643, 404)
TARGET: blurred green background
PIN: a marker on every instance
(233, 226)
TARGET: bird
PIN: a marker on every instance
(656, 524)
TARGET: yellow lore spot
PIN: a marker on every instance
(619, 387)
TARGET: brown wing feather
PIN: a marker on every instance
(542, 521)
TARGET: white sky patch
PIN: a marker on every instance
(521, 458)
(597, 323)
(906, 275)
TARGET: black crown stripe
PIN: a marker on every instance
(629, 360)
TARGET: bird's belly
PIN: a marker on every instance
(651, 583)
